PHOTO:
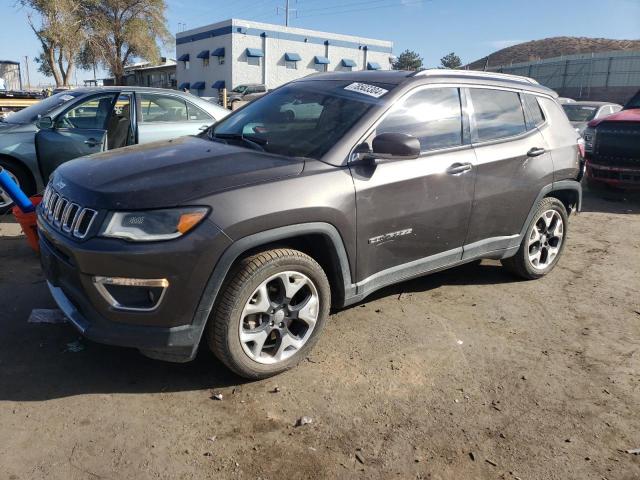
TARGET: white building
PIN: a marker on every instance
(236, 52)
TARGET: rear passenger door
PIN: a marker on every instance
(163, 117)
(412, 215)
(513, 165)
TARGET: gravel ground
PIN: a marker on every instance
(463, 374)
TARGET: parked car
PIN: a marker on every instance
(581, 113)
(36, 140)
(246, 234)
(245, 93)
(612, 147)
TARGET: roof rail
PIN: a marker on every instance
(438, 72)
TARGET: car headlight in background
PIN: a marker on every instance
(153, 225)
(589, 136)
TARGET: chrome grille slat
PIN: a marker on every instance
(65, 215)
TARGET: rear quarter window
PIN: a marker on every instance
(534, 115)
(497, 114)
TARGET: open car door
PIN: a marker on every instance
(78, 131)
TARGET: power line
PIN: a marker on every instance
(409, 3)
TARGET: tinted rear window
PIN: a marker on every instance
(498, 114)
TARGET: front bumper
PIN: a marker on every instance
(622, 177)
(170, 332)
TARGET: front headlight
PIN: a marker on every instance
(589, 135)
(153, 225)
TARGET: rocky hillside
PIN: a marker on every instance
(553, 47)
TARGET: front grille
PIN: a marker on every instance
(618, 144)
(65, 215)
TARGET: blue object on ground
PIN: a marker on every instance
(12, 189)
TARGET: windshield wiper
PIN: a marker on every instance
(254, 142)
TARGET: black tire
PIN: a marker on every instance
(519, 264)
(25, 180)
(222, 333)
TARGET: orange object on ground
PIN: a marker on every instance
(28, 223)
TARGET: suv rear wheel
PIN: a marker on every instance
(269, 313)
(542, 243)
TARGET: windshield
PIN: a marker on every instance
(303, 119)
(579, 113)
(42, 108)
(240, 89)
(634, 102)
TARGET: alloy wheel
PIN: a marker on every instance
(279, 317)
(545, 239)
(5, 199)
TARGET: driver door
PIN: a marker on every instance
(412, 215)
(78, 131)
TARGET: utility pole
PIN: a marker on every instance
(287, 10)
(26, 67)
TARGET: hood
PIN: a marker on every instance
(6, 127)
(631, 115)
(580, 126)
(168, 173)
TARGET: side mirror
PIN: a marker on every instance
(392, 146)
(44, 123)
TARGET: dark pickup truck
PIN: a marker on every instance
(612, 147)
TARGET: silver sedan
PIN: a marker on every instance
(75, 123)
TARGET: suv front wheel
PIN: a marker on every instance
(269, 313)
(543, 241)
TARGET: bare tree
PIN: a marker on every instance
(121, 30)
(61, 34)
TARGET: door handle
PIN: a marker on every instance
(536, 152)
(92, 142)
(458, 168)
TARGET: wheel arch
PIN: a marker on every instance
(569, 192)
(21, 166)
(320, 240)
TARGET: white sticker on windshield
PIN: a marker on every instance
(366, 89)
(66, 98)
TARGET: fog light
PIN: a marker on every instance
(135, 294)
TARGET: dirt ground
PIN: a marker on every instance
(463, 374)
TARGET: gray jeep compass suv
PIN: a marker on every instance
(313, 196)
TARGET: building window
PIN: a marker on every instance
(186, 65)
(220, 60)
(205, 62)
(291, 65)
(253, 61)
(320, 67)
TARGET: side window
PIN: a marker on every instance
(90, 114)
(497, 114)
(433, 116)
(533, 112)
(161, 108)
(196, 113)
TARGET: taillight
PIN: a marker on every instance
(581, 147)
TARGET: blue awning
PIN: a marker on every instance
(373, 66)
(198, 85)
(184, 85)
(347, 62)
(254, 52)
(219, 84)
(184, 58)
(321, 60)
(204, 54)
(218, 52)
(292, 57)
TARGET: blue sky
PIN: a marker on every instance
(471, 28)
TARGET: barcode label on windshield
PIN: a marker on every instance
(366, 89)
